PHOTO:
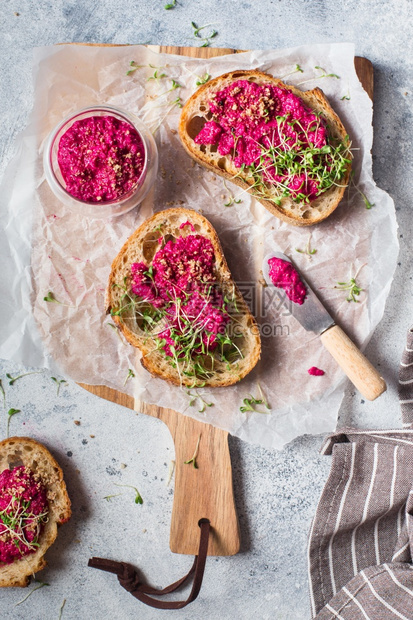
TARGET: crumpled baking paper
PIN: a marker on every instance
(45, 247)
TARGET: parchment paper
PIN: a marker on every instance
(46, 248)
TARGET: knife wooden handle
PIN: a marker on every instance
(356, 366)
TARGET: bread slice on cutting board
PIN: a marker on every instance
(196, 113)
(214, 371)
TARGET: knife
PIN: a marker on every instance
(314, 318)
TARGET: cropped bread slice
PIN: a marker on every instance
(142, 247)
(25, 451)
(196, 113)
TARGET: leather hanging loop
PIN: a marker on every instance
(129, 578)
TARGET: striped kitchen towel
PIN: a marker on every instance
(361, 540)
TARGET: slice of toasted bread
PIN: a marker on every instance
(33, 455)
(141, 247)
(196, 113)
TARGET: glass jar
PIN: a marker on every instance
(101, 208)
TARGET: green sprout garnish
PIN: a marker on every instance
(130, 375)
(195, 397)
(108, 498)
(366, 201)
(193, 459)
(3, 393)
(352, 287)
(134, 66)
(250, 403)
(202, 79)
(231, 198)
(14, 379)
(171, 5)
(297, 69)
(345, 97)
(157, 75)
(59, 383)
(138, 497)
(61, 609)
(50, 297)
(307, 250)
(322, 75)
(41, 584)
(10, 414)
(206, 40)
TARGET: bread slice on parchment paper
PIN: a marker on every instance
(17, 451)
(242, 349)
(290, 208)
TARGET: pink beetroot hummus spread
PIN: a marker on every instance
(283, 275)
(271, 131)
(23, 511)
(101, 158)
(316, 372)
(181, 284)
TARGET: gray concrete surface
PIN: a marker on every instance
(276, 492)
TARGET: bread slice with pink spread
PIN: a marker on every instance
(285, 146)
(33, 503)
(171, 294)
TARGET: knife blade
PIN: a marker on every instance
(314, 317)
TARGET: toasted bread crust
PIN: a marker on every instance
(141, 247)
(197, 108)
(24, 450)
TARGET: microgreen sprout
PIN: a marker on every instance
(59, 383)
(251, 403)
(115, 329)
(3, 393)
(207, 39)
(40, 584)
(50, 297)
(171, 5)
(307, 250)
(346, 97)
(297, 69)
(61, 609)
(197, 396)
(322, 75)
(351, 286)
(14, 379)
(202, 79)
(108, 498)
(134, 66)
(130, 375)
(171, 470)
(193, 459)
(157, 75)
(231, 198)
(138, 497)
(10, 414)
(366, 201)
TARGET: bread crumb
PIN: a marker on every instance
(174, 132)
(92, 436)
(144, 531)
(123, 465)
(77, 422)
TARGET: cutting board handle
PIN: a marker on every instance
(204, 492)
(356, 366)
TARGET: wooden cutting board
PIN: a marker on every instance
(206, 492)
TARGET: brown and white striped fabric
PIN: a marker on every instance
(361, 541)
(406, 382)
